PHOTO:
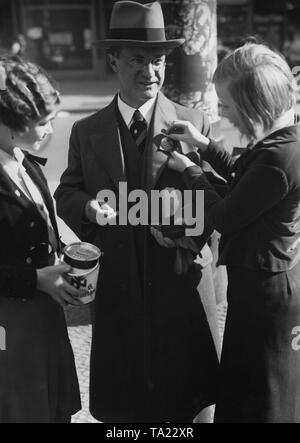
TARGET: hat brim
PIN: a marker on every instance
(169, 44)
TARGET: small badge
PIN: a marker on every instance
(166, 145)
(3, 77)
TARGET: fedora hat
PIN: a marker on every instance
(134, 24)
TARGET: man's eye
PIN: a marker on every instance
(158, 62)
(137, 60)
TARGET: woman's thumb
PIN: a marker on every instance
(63, 268)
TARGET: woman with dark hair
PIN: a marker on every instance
(38, 381)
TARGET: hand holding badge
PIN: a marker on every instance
(173, 236)
(165, 144)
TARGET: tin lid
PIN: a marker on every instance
(82, 255)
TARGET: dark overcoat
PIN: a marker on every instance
(38, 382)
(153, 357)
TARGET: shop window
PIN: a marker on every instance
(59, 34)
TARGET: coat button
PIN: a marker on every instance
(29, 261)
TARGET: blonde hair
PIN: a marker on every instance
(261, 85)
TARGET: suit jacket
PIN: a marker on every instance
(152, 351)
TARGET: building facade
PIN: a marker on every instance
(59, 33)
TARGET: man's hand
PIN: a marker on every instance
(100, 214)
(50, 281)
(161, 240)
(179, 162)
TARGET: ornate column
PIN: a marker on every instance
(190, 68)
(189, 76)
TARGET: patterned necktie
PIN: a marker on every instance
(138, 130)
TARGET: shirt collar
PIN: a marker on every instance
(7, 159)
(127, 111)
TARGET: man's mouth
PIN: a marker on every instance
(148, 84)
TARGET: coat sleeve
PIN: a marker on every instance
(261, 187)
(17, 282)
(220, 160)
(70, 196)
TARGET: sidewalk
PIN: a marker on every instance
(80, 331)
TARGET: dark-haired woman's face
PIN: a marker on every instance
(36, 133)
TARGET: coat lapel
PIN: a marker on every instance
(41, 183)
(165, 113)
(8, 189)
(106, 143)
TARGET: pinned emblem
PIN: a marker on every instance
(165, 144)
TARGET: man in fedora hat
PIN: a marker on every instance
(153, 358)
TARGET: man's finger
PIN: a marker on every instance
(157, 235)
(168, 242)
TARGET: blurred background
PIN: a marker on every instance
(58, 33)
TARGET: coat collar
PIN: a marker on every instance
(289, 134)
(106, 143)
(38, 178)
(9, 189)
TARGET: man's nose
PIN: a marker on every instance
(149, 70)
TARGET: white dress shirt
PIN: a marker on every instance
(127, 111)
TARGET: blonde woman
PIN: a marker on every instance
(259, 220)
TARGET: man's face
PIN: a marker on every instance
(141, 73)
